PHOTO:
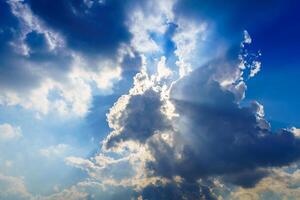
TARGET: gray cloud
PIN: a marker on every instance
(218, 136)
(183, 190)
(213, 136)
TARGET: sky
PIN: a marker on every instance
(149, 100)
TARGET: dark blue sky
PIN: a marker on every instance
(277, 85)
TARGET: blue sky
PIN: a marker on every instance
(175, 99)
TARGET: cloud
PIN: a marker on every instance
(213, 131)
(80, 162)
(72, 193)
(144, 25)
(55, 150)
(126, 125)
(9, 132)
(247, 38)
(50, 76)
(281, 183)
(210, 135)
(187, 38)
(99, 27)
(296, 131)
(12, 188)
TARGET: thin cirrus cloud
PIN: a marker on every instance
(181, 127)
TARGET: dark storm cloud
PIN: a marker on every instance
(246, 179)
(183, 190)
(213, 136)
(94, 28)
(218, 137)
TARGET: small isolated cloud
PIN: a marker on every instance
(247, 38)
(9, 132)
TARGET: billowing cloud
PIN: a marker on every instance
(209, 135)
(218, 137)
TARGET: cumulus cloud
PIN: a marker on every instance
(208, 136)
(215, 137)
(143, 105)
(9, 132)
